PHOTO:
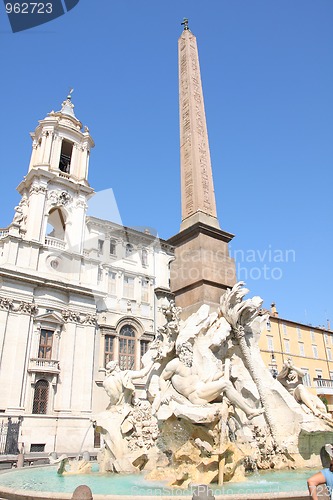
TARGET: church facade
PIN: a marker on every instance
(75, 292)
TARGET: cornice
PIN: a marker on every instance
(45, 282)
(126, 233)
(45, 176)
(199, 228)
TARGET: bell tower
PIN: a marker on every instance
(56, 189)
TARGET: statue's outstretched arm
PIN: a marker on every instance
(299, 372)
(283, 373)
(143, 372)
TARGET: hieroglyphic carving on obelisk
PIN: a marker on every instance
(197, 189)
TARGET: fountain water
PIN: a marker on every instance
(41, 483)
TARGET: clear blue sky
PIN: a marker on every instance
(267, 71)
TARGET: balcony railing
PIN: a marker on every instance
(323, 385)
(55, 243)
(4, 233)
(44, 365)
(323, 382)
(64, 175)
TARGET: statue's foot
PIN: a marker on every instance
(255, 413)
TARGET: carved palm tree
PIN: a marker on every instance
(240, 314)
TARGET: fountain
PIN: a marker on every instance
(211, 403)
(212, 409)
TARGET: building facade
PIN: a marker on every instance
(75, 292)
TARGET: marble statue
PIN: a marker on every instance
(117, 421)
(200, 390)
(20, 213)
(291, 378)
(118, 384)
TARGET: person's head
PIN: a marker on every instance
(185, 353)
(292, 375)
(112, 366)
(82, 492)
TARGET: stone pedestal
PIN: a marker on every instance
(202, 268)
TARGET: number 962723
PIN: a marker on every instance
(28, 8)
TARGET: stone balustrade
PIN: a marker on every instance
(55, 243)
(44, 365)
(323, 382)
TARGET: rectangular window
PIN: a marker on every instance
(37, 448)
(97, 439)
(129, 287)
(270, 344)
(331, 375)
(326, 338)
(45, 344)
(99, 275)
(287, 346)
(315, 351)
(299, 333)
(112, 283)
(108, 350)
(100, 246)
(145, 291)
(284, 329)
(319, 373)
(144, 345)
(329, 354)
(144, 257)
(113, 247)
(306, 378)
(301, 349)
(313, 337)
(268, 325)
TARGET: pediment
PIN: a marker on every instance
(50, 317)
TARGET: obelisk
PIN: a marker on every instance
(202, 269)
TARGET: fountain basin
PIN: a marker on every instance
(43, 483)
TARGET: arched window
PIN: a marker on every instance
(66, 156)
(56, 224)
(129, 250)
(127, 348)
(41, 396)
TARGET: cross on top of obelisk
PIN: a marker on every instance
(185, 24)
